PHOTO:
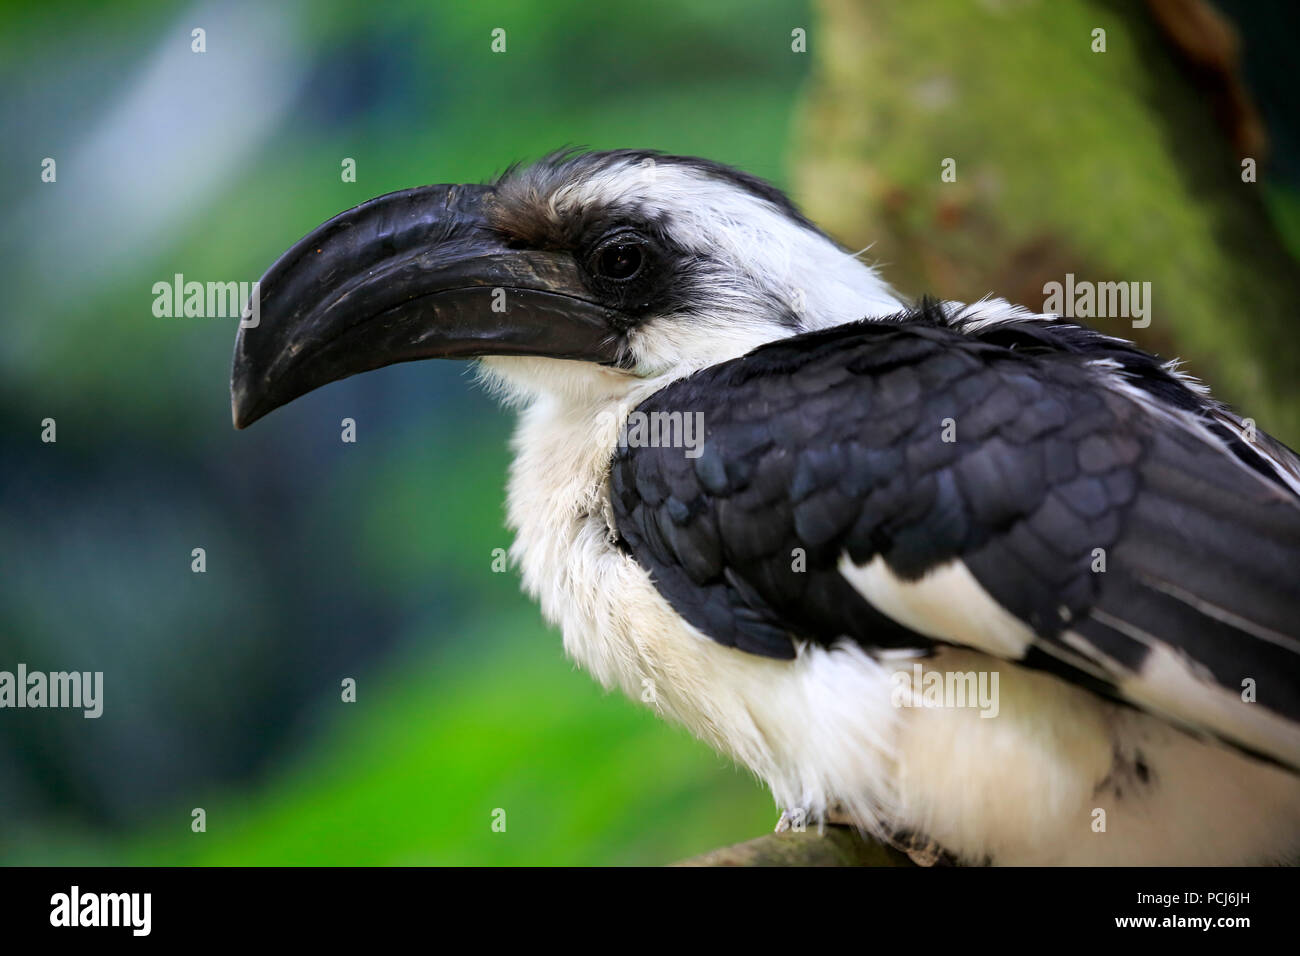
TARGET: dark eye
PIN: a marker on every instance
(619, 258)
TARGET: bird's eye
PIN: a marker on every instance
(620, 257)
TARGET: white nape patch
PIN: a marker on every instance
(1174, 368)
(947, 604)
(990, 311)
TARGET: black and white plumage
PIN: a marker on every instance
(968, 488)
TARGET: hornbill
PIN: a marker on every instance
(878, 492)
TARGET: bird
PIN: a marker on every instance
(986, 584)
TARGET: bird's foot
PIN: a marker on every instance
(921, 850)
(796, 819)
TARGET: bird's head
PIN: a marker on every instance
(584, 274)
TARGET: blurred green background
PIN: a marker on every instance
(374, 560)
(325, 560)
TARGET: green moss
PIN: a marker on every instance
(1111, 159)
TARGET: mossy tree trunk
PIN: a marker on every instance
(1122, 165)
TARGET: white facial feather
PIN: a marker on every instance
(762, 247)
(767, 267)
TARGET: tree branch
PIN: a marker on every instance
(834, 846)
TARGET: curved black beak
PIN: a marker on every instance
(411, 275)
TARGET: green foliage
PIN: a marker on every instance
(472, 706)
(413, 771)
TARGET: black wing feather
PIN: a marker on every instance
(836, 443)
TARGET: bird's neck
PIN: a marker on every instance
(558, 499)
